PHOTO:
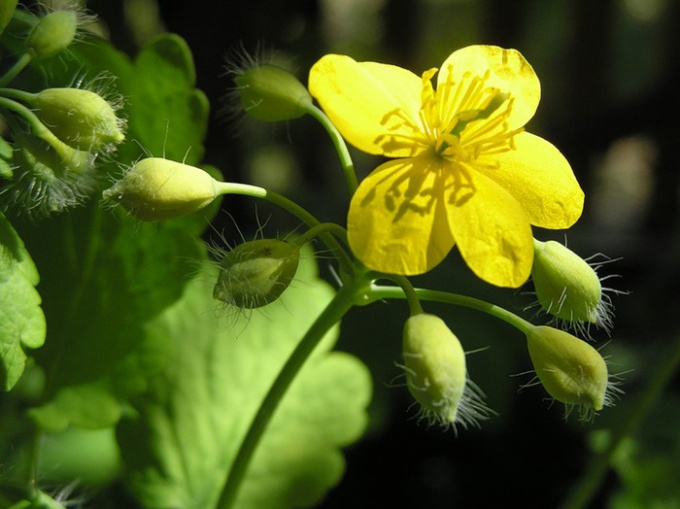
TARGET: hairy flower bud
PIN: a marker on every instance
(49, 177)
(80, 118)
(566, 286)
(436, 374)
(156, 189)
(53, 33)
(256, 273)
(570, 369)
(269, 92)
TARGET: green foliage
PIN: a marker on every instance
(215, 370)
(648, 463)
(22, 323)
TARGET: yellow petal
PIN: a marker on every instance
(540, 178)
(397, 221)
(493, 234)
(509, 73)
(370, 103)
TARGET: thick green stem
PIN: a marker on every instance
(391, 292)
(340, 147)
(292, 207)
(594, 474)
(335, 310)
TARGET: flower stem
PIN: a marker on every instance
(37, 127)
(285, 203)
(592, 476)
(320, 229)
(340, 147)
(18, 66)
(335, 310)
(390, 292)
(409, 293)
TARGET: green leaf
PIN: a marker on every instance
(218, 368)
(162, 99)
(86, 405)
(22, 323)
(103, 278)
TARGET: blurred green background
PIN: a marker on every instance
(610, 72)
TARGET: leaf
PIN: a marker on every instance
(162, 99)
(22, 323)
(86, 405)
(103, 278)
(218, 369)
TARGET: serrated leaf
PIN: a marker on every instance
(199, 407)
(22, 323)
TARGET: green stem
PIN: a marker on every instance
(295, 209)
(340, 147)
(320, 229)
(18, 66)
(593, 475)
(15, 93)
(390, 292)
(409, 293)
(37, 127)
(335, 310)
(75, 160)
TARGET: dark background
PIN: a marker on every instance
(610, 72)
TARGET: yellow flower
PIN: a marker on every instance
(464, 170)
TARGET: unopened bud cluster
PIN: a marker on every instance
(59, 135)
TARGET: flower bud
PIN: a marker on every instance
(155, 189)
(256, 273)
(48, 177)
(566, 286)
(269, 92)
(53, 33)
(436, 374)
(570, 369)
(80, 118)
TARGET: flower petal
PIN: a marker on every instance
(493, 233)
(540, 178)
(509, 72)
(397, 221)
(370, 103)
